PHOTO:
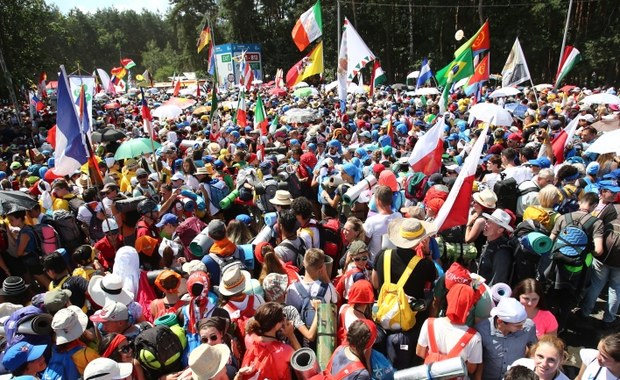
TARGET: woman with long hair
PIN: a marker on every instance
(116, 347)
(530, 293)
(354, 357)
(238, 232)
(602, 363)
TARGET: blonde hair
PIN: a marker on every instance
(548, 196)
(556, 343)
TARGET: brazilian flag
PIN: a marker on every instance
(461, 67)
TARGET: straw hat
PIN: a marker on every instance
(409, 232)
(233, 281)
(214, 148)
(206, 361)
(486, 198)
(501, 218)
(282, 198)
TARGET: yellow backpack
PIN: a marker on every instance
(394, 312)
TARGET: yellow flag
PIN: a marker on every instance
(315, 62)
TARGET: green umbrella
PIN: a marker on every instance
(304, 92)
(135, 147)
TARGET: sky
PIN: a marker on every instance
(89, 6)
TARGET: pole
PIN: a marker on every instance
(9, 82)
(570, 7)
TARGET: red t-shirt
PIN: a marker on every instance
(107, 251)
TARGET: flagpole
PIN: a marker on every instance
(570, 7)
(214, 115)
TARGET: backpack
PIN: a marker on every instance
(340, 283)
(239, 322)
(267, 191)
(187, 231)
(415, 186)
(611, 243)
(394, 312)
(70, 234)
(507, 193)
(47, 239)
(539, 214)
(218, 190)
(95, 226)
(573, 235)
(288, 176)
(569, 203)
(306, 310)
(159, 351)
(525, 260)
(330, 238)
(37, 326)
(61, 365)
(433, 352)
(346, 371)
(74, 205)
(299, 252)
(259, 357)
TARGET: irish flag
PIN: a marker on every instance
(309, 27)
(562, 139)
(570, 58)
(426, 154)
(455, 210)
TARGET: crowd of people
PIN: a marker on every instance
(229, 248)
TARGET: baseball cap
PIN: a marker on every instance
(610, 185)
(542, 162)
(168, 219)
(112, 311)
(21, 353)
(177, 176)
(356, 247)
(509, 310)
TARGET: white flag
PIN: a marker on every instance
(515, 70)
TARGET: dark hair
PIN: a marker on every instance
(271, 264)
(564, 172)
(384, 195)
(358, 337)
(509, 154)
(90, 194)
(495, 159)
(219, 323)
(18, 215)
(287, 220)
(302, 206)
(590, 198)
(529, 285)
(267, 316)
(528, 152)
(105, 342)
(611, 343)
(83, 254)
(55, 262)
(192, 166)
(519, 372)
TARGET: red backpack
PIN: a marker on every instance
(245, 316)
(259, 357)
(433, 352)
(340, 283)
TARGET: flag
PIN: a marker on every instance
(147, 78)
(309, 65)
(461, 67)
(341, 73)
(41, 86)
(565, 137)
(213, 99)
(211, 65)
(36, 103)
(197, 89)
(444, 99)
(426, 154)
(147, 118)
(309, 27)
(390, 129)
(260, 117)
(570, 58)
(70, 152)
(481, 72)
(128, 63)
(246, 76)
(273, 127)
(119, 72)
(425, 73)
(106, 83)
(279, 80)
(515, 70)
(478, 42)
(357, 52)
(204, 39)
(242, 116)
(177, 88)
(378, 76)
(455, 209)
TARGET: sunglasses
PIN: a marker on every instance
(363, 258)
(113, 232)
(125, 349)
(207, 339)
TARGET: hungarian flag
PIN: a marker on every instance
(378, 76)
(177, 88)
(481, 73)
(461, 67)
(478, 42)
(260, 117)
(426, 154)
(242, 116)
(128, 63)
(562, 139)
(455, 210)
(309, 27)
(310, 65)
(204, 39)
(570, 58)
(41, 85)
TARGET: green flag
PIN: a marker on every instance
(461, 67)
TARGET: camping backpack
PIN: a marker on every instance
(299, 252)
(306, 310)
(37, 326)
(574, 235)
(61, 365)
(218, 190)
(525, 259)
(415, 186)
(331, 239)
(187, 231)
(70, 234)
(47, 239)
(159, 351)
(346, 371)
(507, 193)
(394, 312)
(611, 252)
(259, 357)
(569, 203)
(433, 352)
(266, 191)
(288, 176)
(95, 226)
(74, 205)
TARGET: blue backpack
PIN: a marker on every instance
(219, 190)
(61, 365)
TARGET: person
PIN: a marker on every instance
(168, 282)
(543, 212)
(116, 347)
(115, 318)
(107, 369)
(24, 359)
(494, 167)
(531, 295)
(546, 358)
(605, 210)
(376, 226)
(208, 362)
(356, 267)
(483, 202)
(352, 361)
(214, 331)
(519, 173)
(505, 336)
(144, 188)
(105, 248)
(359, 306)
(519, 372)
(602, 363)
(236, 302)
(528, 190)
(27, 250)
(496, 256)
(308, 231)
(56, 268)
(292, 247)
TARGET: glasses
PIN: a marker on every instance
(363, 258)
(207, 339)
(125, 349)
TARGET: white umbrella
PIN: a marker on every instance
(167, 112)
(355, 89)
(427, 91)
(301, 84)
(603, 98)
(542, 86)
(413, 74)
(300, 115)
(257, 81)
(490, 113)
(504, 91)
(609, 142)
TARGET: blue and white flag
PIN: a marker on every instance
(425, 73)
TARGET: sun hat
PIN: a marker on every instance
(361, 292)
(409, 232)
(206, 361)
(164, 283)
(274, 285)
(13, 286)
(509, 310)
(501, 218)
(55, 300)
(214, 148)
(69, 324)
(107, 369)
(357, 247)
(202, 171)
(281, 198)
(177, 176)
(131, 164)
(194, 266)
(108, 288)
(111, 312)
(233, 281)
(21, 353)
(486, 198)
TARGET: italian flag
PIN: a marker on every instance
(309, 27)
(570, 58)
(260, 117)
(426, 154)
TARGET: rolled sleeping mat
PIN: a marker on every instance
(194, 144)
(40, 324)
(270, 218)
(326, 333)
(353, 193)
(500, 290)
(171, 321)
(304, 363)
(537, 242)
(247, 254)
(201, 244)
(263, 236)
(442, 370)
(229, 199)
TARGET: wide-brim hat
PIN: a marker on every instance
(13, 286)
(69, 324)
(409, 232)
(108, 288)
(281, 198)
(206, 361)
(233, 281)
(486, 198)
(501, 218)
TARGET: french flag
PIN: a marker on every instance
(426, 154)
(562, 139)
(70, 152)
(455, 210)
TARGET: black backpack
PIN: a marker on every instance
(289, 177)
(266, 191)
(74, 205)
(95, 226)
(69, 232)
(159, 351)
(299, 253)
(507, 193)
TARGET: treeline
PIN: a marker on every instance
(35, 36)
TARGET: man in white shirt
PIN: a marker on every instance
(376, 226)
(519, 173)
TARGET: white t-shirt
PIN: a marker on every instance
(529, 363)
(376, 226)
(84, 215)
(519, 173)
(588, 357)
(447, 336)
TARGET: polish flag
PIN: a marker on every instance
(426, 154)
(562, 139)
(455, 210)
